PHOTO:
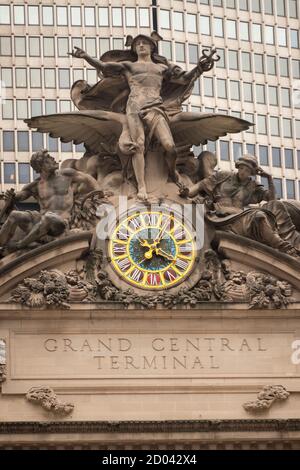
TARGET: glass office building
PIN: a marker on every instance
(257, 77)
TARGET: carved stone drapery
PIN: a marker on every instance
(47, 398)
(266, 398)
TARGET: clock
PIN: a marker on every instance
(152, 250)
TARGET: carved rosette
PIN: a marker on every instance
(266, 398)
(47, 399)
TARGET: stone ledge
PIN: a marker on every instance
(240, 425)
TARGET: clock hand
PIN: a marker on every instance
(161, 252)
(161, 232)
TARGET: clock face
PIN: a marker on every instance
(152, 250)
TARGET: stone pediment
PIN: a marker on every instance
(66, 271)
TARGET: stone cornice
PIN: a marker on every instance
(235, 425)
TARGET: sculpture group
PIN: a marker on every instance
(135, 134)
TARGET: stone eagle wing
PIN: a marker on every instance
(197, 129)
(93, 128)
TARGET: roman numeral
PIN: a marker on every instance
(181, 264)
(124, 264)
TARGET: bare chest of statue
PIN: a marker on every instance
(53, 191)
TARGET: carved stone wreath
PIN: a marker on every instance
(265, 398)
(46, 397)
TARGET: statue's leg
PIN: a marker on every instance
(163, 134)
(15, 219)
(286, 228)
(257, 226)
(49, 223)
(137, 134)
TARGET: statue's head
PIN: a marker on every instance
(247, 166)
(143, 45)
(41, 161)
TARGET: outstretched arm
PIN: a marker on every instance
(266, 194)
(110, 67)
(205, 63)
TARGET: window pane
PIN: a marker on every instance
(256, 33)
(233, 60)
(62, 16)
(191, 23)
(103, 16)
(218, 27)
(35, 78)
(280, 6)
(9, 173)
(64, 78)
(90, 46)
(244, 31)
(166, 49)
(130, 17)
(178, 21)
(8, 109)
(36, 107)
(224, 150)
(34, 47)
(256, 6)
(248, 95)
(293, 8)
(288, 158)
(273, 95)
(5, 46)
(261, 124)
(271, 65)
(276, 157)
(250, 149)
(6, 77)
(37, 141)
(165, 19)
(47, 15)
(208, 86)
(284, 67)
(193, 53)
(263, 155)
(235, 90)
(285, 97)
(144, 17)
(24, 173)
(237, 150)
(23, 141)
(8, 141)
(269, 34)
(48, 45)
(294, 38)
(89, 16)
(296, 68)
(49, 77)
(75, 16)
(290, 189)
(104, 45)
(22, 109)
(278, 187)
(231, 29)
(20, 46)
(204, 25)
(287, 127)
(19, 14)
(274, 124)
(63, 47)
(246, 61)
(260, 94)
(259, 63)
(50, 106)
(33, 15)
(117, 16)
(268, 7)
(281, 36)
(243, 4)
(21, 78)
(179, 52)
(4, 14)
(221, 84)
